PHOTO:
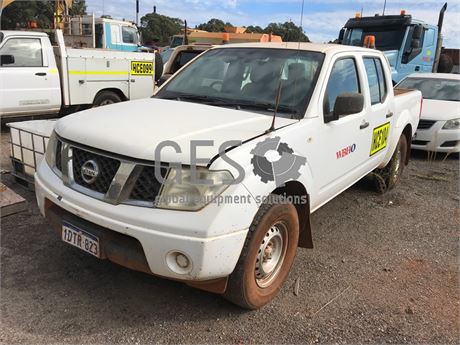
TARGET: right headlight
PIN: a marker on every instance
(452, 124)
(50, 154)
(189, 195)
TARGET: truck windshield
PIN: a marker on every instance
(249, 78)
(385, 38)
(439, 89)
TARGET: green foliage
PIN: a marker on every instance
(254, 29)
(19, 13)
(155, 26)
(213, 25)
(288, 31)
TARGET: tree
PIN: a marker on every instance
(155, 27)
(254, 29)
(288, 31)
(42, 12)
(214, 25)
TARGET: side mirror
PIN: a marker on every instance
(347, 104)
(418, 31)
(6, 59)
(415, 43)
(341, 34)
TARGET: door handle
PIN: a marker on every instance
(40, 74)
(390, 114)
(417, 68)
(363, 125)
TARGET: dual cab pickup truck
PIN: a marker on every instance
(37, 78)
(212, 181)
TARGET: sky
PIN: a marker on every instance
(322, 19)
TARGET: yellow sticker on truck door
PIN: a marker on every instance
(379, 138)
(141, 68)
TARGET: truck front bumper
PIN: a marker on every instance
(147, 239)
(436, 139)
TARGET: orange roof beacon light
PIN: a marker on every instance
(357, 15)
(403, 12)
(369, 41)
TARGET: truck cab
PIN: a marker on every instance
(410, 45)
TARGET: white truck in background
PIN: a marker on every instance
(280, 130)
(37, 78)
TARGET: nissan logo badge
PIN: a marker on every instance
(89, 171)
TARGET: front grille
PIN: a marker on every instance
(420, 142)
(108, 167)
(450, 143)
(147, 186)
(425, 124)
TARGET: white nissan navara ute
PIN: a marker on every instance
(213, 180)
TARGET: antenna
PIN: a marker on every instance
(384, 6)
(280, 85)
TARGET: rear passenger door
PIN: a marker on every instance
(379, 107)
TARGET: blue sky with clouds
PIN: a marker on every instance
(321, 22)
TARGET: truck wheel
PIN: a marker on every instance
(267, 255)
(105, 98)
(388, 177)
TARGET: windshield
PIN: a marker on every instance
(439, 89)
(385, 38)
(248, 77)
(166, 54)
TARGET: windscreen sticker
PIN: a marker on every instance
(141, 68)
(379, 138)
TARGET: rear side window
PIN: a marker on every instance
(129, 34)
(376, 80)
(343, 79)
(27, 52)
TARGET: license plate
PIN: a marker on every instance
(80, 239)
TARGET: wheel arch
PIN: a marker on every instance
(115, 90)
(296, 188)
(407, 132)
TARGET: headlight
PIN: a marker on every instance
(190, 195)
(452, 124)
(50, 154)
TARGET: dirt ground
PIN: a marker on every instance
(384, 270)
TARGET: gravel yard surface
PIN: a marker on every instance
(384, 270)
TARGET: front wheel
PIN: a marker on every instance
(267, 255)
(388, 177)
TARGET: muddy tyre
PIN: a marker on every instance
(267, 255)
(105, 98)
(388, 177)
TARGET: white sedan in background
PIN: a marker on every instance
(439, 126)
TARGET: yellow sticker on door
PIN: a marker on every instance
(141, 68)
(380, 138)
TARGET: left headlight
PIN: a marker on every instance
(189, 195)
(50, 154)
(452, 124)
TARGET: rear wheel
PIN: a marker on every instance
(388, 177)
(105, 98)
(267, 255)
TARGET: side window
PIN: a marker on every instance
(129, 34)
(372, 79)
(376, 80)
(27, 52)
(382, 81)
(343, 79)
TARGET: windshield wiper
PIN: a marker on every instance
(264, 106)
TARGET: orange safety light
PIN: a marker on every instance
(369, 41)
(226, 37)
(403, 12)
(357, 15)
